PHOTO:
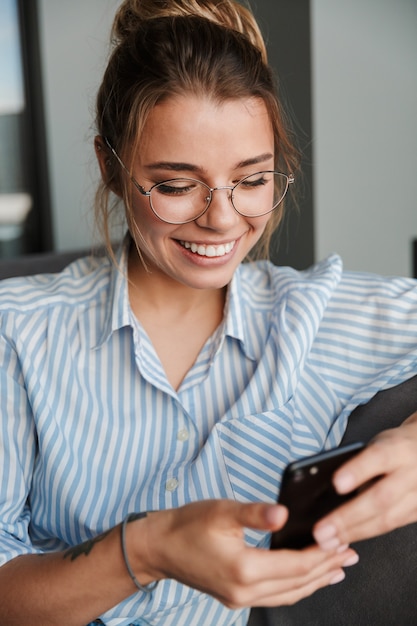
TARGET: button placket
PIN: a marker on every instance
(183, 435)
(171, 484)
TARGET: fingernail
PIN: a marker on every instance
(326, 537)
(342, 548)
(345, 482)
(337, 578)
(352, 560)
(276, 515)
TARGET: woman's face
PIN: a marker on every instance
(218, 144)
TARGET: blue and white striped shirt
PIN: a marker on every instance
(90, 428)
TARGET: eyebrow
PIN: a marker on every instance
(178, 166)
(267, 156)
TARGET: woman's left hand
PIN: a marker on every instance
(389, 502)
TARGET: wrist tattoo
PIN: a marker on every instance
(84, 548)
(132, 517)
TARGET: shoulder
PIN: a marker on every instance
(374, 299)
(264, 280)
(374, 285)
(326, 277)
(78, 285)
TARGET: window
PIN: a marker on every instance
(24, 205)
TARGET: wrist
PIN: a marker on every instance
(135, 551)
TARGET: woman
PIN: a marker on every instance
(172, 378)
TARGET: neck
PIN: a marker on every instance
(153, 291)
(178, 319)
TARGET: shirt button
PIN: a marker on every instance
(183, 435)
(171, 484)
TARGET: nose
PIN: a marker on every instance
(220, 214)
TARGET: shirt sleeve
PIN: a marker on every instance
(17, 455)
(367, 341)
(370, 326)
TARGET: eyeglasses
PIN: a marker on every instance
(183, 200)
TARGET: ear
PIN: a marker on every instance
(106, 164)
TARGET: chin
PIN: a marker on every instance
(209, 282)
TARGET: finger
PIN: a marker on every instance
(385, 503)
(402, 513)
(389, 450)
(287, 566)
(260, 516)
(278, 585)
(301, 573)
(379, 509)
(291, 596)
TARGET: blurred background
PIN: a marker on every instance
(347, 72)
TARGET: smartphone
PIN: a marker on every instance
(308, 493)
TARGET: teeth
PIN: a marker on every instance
(210, 251)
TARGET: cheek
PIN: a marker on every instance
(142, 218)
(138, 208)
(260, 223)
(260, 229)
(146, 225)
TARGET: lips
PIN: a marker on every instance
(209, 250)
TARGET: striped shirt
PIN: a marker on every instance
(90, 428)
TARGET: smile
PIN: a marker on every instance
(210, 250)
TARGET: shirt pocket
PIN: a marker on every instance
(244, 458)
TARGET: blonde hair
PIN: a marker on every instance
(164, 48)
(225, 13)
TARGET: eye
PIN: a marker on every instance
(256, 180)
(176, 187)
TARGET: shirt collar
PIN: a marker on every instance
(117, 307)
(118, 311)
(235, 316)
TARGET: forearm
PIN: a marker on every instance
(71, 588)
(200, 545)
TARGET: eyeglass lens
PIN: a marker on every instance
(184, 199)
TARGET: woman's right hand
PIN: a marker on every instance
(202, 545)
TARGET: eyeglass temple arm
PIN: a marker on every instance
(119, 160)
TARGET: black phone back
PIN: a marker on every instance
(308, 493)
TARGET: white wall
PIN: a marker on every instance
(74, 46)
(365, 126)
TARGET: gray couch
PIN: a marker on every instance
(29, 264)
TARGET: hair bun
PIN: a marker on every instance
(227, 13)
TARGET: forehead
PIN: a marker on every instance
(197, 129)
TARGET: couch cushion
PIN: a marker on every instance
(29, 264)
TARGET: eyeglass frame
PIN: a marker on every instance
(290, 179)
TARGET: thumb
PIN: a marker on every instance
(262, 516)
